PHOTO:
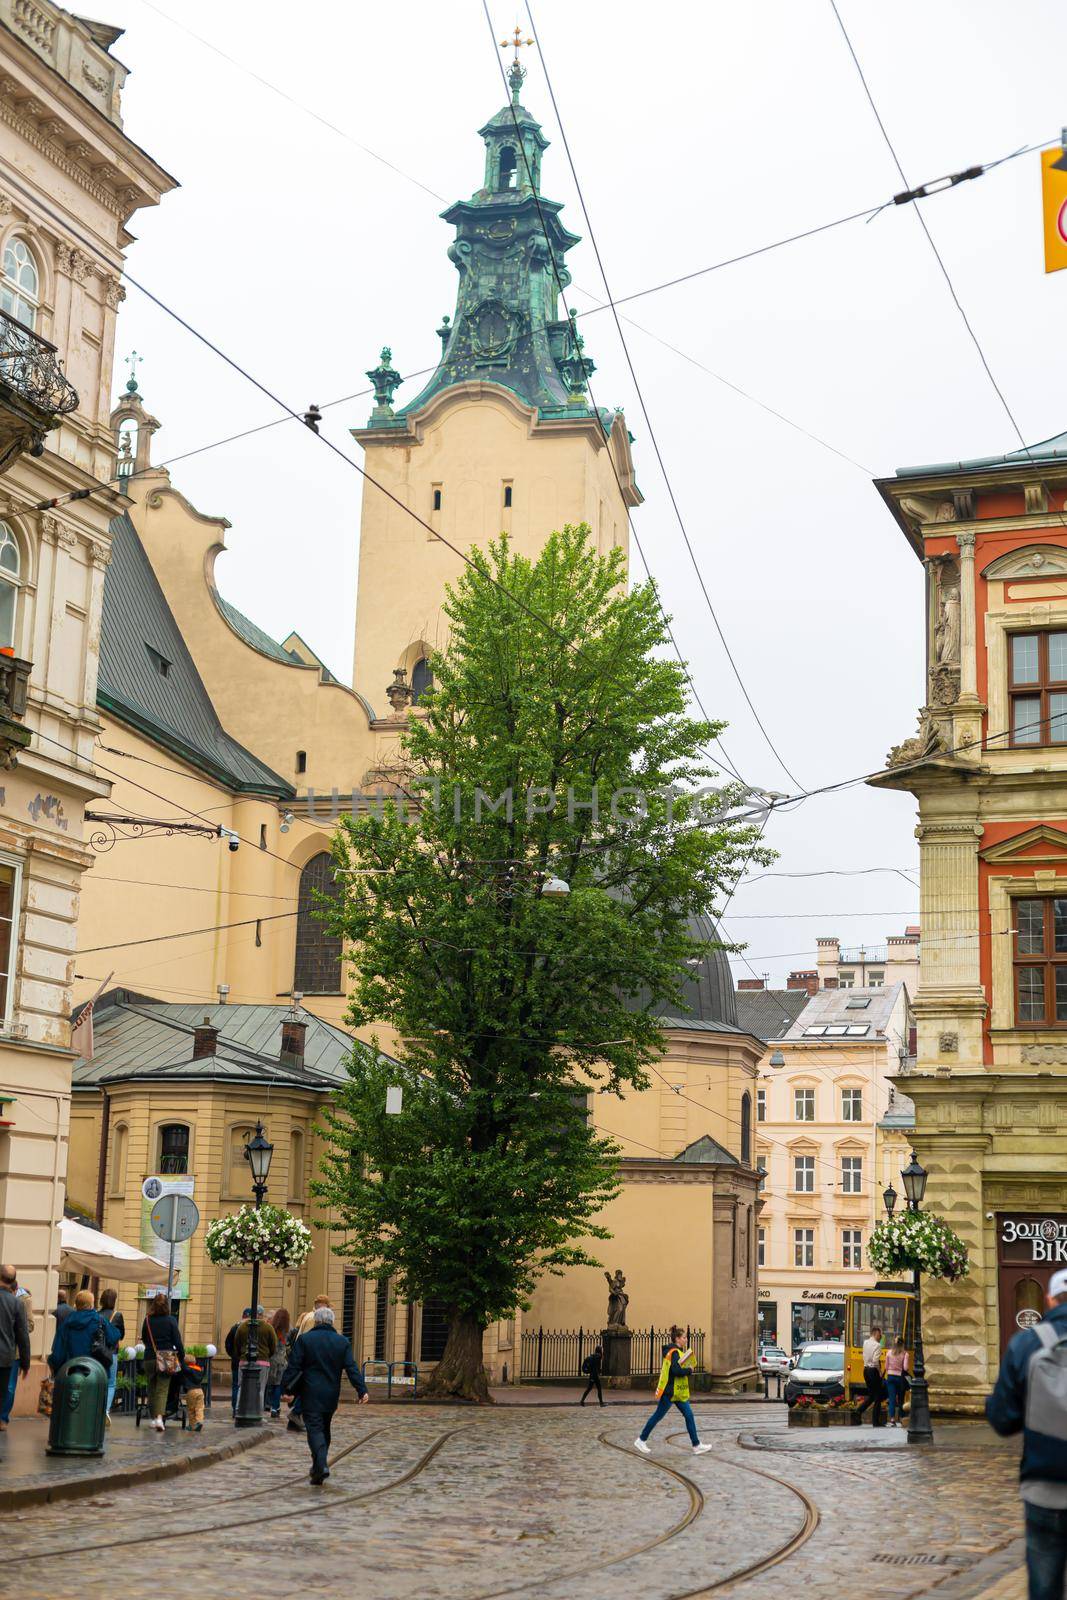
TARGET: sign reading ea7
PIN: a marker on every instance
(1054, 206)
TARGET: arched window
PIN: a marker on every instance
(236, 1177)
(21, 284)
(296, 1164)
(10, 563)
(507, 167)
(174, 1147)
(746, 1129)
(127, 443)
(421, 679)
(318, 952)
(119, 1144)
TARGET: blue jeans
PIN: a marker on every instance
(273, 1401)
(895, 1388)
(112, 1379)
(1046, 1551)
(661, 1411)
(234, 1381)
(7, 1398)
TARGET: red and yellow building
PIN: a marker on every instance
(988, 767)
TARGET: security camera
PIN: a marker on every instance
(287, 821)
(232, 840)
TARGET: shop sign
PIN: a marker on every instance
(833, 1295)
(1036, 1238)
(765, 1294)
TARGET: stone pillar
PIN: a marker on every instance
(968, 628)
(618, 1353)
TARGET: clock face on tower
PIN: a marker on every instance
(493, 331)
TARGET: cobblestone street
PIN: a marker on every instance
(553, 1503)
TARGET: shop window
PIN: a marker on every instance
(803, 1247)
(851, 1105)
(120, 1143)
(1040, 961)
(804, 1105)
(804, 1174)
(174, 1147)
(851, 1247)
(851, 1174)
(1037, 688)
(317, 968)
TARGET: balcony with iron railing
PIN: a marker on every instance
(35, 392)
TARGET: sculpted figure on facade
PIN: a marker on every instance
(618, 1299)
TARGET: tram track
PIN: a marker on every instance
(315, 1506)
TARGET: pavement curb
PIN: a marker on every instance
(42, 1494)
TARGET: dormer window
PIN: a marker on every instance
(507, 167)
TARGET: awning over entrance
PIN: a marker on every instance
(85, 1250)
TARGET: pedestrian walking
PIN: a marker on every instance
(63, 1308)
(319, 1358)
(191, 1382)
(591, 1367)
(229, 1344)
(896, 1380)
(164, 1357)
(83, 1333)
(278, 1361)
(115, 1318)
(673, 1390)
(295, 1421)
(1031, 1397)
(14, 1339)
(872, 1376)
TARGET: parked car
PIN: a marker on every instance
(819, 1373)
(772, 1360)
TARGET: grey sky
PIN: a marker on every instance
(699, 132)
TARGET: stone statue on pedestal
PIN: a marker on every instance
(618, 1299)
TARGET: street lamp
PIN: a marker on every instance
(920, 1431)
(889, 1200)
(249, 1411)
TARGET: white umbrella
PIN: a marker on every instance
(86, 1250)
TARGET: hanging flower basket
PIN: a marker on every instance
(917, 1241)
(269, 1234)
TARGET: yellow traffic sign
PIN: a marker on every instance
(1054, 208)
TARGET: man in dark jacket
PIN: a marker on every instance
(14, 1332)
(1031, 1397)
(76, 1333)
(591, 1366)
(314, 1372)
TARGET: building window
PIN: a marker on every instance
(803, 1247)
(851, 1174)
(1037, 688)
(120, 1141)
(301, 761)
(421, 679)
(507, 167)
(804, 1105)
(804, 1174)
(875, 980)
(21, 284)
(851, 1105)
(9, 892)
(236, 1178)
(263, 836)
(318, 952)
(846, 980)
(761, 1247)
(434, 1334)
(349, 1301)
(174, 1147)
(1040, 960)
(160, 662)
(507, 496)
(761, 1105)
(851, 1247)
(437, 497)
(9, 586)
(296, 1165)
(746, 1129)
(381, 1319)
(761, 1168)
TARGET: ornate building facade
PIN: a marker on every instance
(987, 767)
(70, 180)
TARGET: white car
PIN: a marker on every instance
(772, 1360)
(819, 1373)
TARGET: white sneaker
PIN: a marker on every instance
(158, 1424)
(639, 1444)
(701, 1449)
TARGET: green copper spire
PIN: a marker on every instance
(509, 252)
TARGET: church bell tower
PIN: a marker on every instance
(504, 435)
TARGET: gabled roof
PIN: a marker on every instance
(769, 1013)
(706, 1152)
(138, 1037)
(149, 679)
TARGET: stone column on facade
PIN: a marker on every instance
(949, 904)
(968, 625)
(957, 1317)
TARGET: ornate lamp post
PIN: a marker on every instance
(920, 1431)
(889, 1199)
(249, 1412)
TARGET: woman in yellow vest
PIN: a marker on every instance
(673, 1390)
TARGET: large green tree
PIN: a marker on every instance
(554, 743)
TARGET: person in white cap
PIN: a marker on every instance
(1031, 1398)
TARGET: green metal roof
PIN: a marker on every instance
(138, 1037)
(1054, 449)
(707, 1151)
(255, 636)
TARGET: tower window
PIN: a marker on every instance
(507, 495)
(437, 499)
(421, 679)
(317, 968)
(507, 167)
(301, 761)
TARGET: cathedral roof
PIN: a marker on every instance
(149, 680)
(708, 1003)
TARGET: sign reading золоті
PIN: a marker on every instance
(1027, 1239)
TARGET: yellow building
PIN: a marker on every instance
(70, 181)
(231, 756)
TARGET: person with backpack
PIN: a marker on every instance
(1031, 1397)
(83, 1333)
(591, 1367)
(673, 1390)
(109, 1314)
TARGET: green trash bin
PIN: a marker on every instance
(78, 1403)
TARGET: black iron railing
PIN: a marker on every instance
(30, 367)
(559, 1352)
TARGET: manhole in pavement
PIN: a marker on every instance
(893, 1560)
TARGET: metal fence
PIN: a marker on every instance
(558, 1353)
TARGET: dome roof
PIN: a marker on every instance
(707, 988)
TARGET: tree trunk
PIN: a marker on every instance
(459, 1374)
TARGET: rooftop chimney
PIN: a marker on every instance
(294, 1032)
(205, 1038)
(751, 983)
(803, 980)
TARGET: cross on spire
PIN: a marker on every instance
(131, 361)
(516, 72)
